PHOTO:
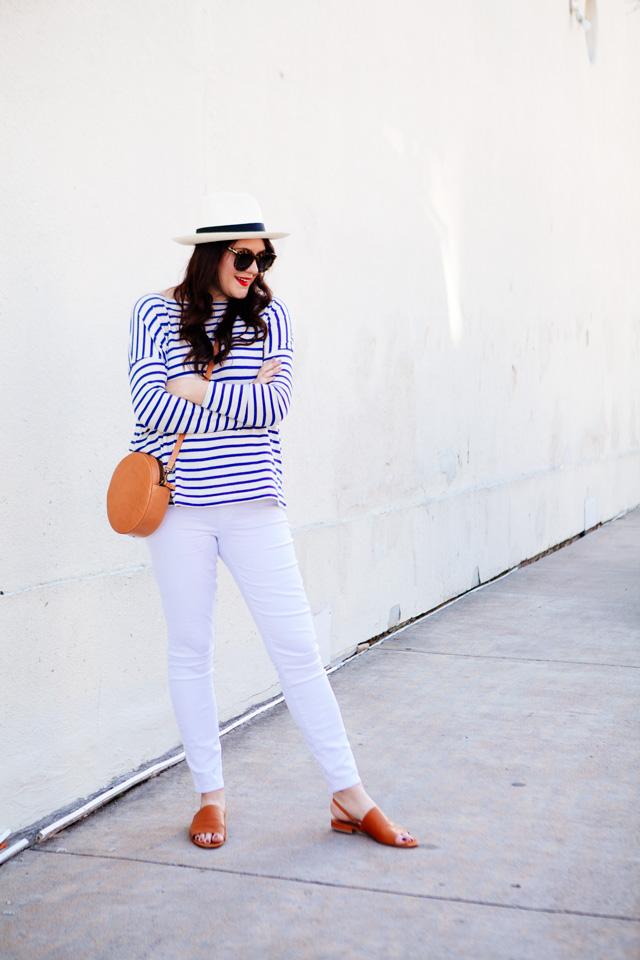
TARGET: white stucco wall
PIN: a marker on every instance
(461, 184)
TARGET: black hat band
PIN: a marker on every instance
(234, 228)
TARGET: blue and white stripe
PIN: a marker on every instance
(231, 451)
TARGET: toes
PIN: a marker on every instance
(209, 838)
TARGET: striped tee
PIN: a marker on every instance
(231, 451)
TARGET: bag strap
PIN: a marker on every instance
(176, 448)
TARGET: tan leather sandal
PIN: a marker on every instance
(209, 819)
(374, 824)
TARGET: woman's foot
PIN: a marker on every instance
(213, 798)
(356, 803)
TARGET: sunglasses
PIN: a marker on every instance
(244, 259)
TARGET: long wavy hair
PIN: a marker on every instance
(194, 297)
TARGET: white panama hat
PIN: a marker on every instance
(229, 216)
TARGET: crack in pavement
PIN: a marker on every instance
(493, 656)
(346, 886)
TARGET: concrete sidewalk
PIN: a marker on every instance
(500, 730)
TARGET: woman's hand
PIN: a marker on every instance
(191, 387)
(268, 370)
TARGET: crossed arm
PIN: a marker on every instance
(194, 388)
(188, 404)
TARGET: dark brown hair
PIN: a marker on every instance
(194, 297)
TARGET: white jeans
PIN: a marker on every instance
(254, 541)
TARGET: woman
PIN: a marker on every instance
(228, 501)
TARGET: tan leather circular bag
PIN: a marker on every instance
(138, 495)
